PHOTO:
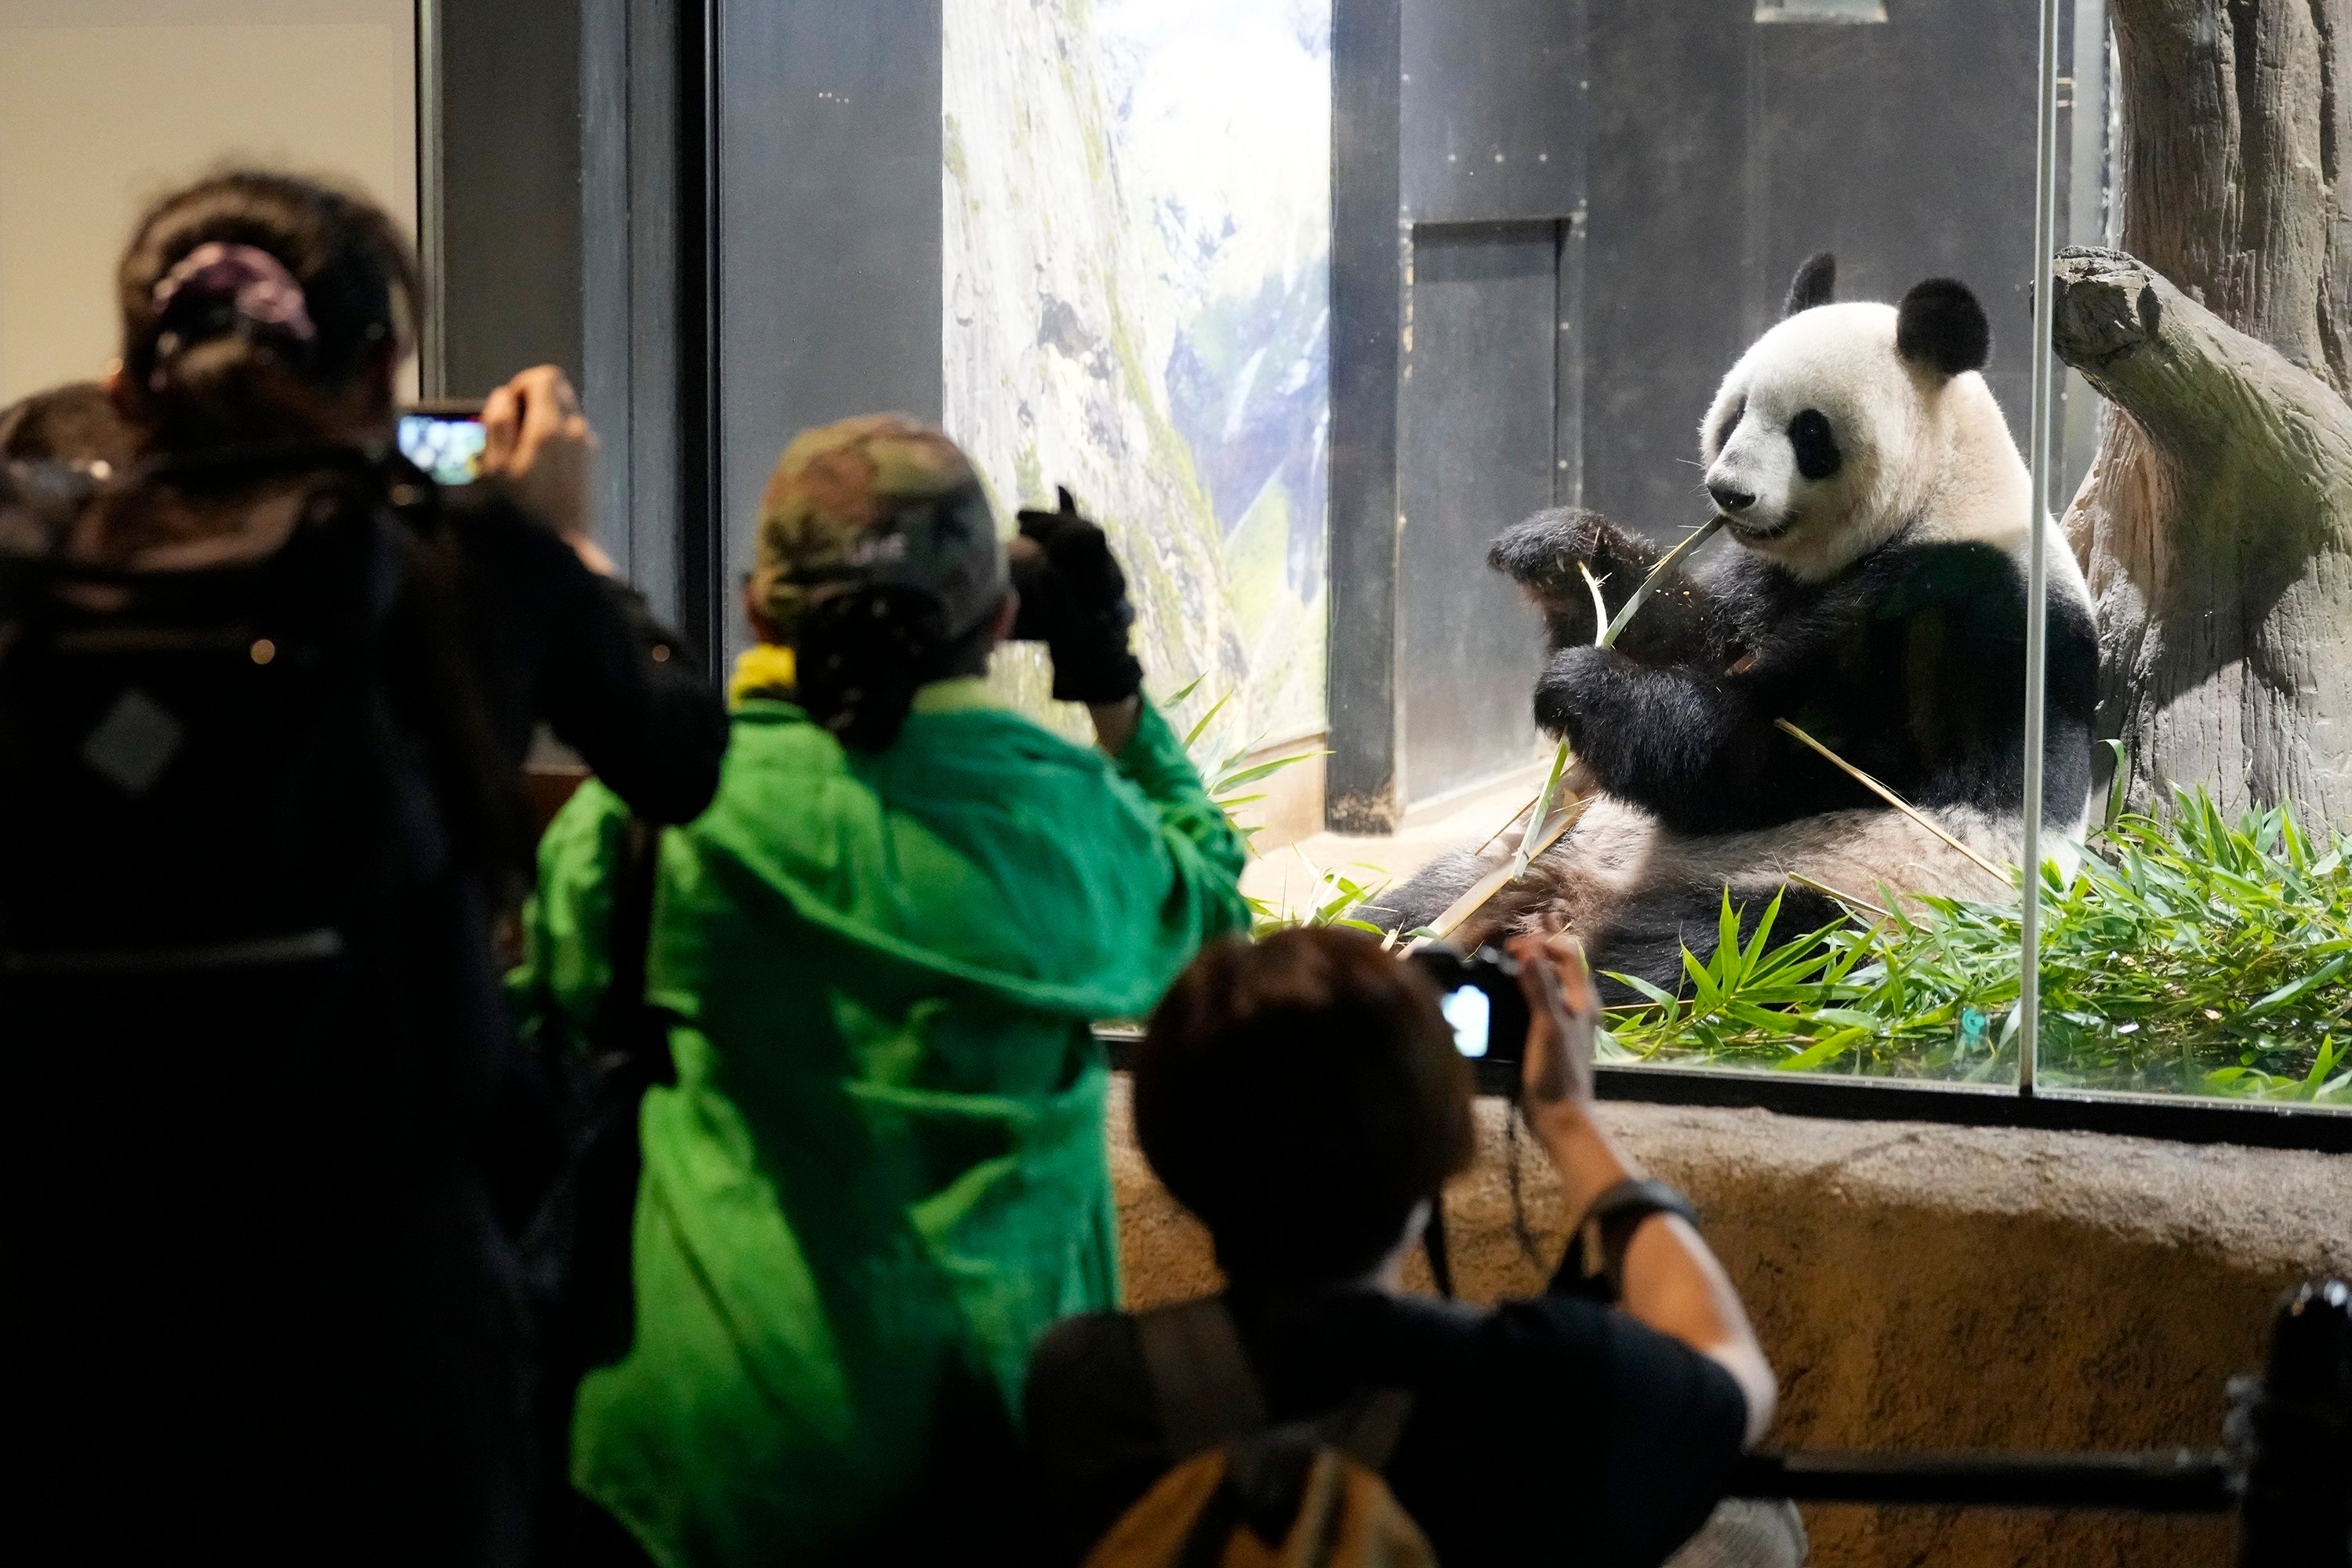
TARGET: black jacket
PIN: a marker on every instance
(554, 642)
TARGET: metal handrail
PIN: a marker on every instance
(2285, 1469)
(2181, 1482)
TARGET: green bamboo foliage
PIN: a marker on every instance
(2190, 954)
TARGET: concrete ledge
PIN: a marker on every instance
(1923, 1286)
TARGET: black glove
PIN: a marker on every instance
(1073, 600)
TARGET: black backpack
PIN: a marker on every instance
(250, 809)
(258, 753)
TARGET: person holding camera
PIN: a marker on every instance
(879, 1172)
(1306, 1097)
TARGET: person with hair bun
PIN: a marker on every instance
(264, 696)
(265, 321)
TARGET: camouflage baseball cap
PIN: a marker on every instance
(878, 500)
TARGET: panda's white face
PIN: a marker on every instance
(1821, 440)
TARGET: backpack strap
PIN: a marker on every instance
(626, 1030)
(1201, 1384)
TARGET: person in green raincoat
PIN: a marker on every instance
(880, 1174)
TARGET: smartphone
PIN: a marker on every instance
(1481, 999)
(445, 439)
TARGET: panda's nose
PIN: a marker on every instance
(1728, 498)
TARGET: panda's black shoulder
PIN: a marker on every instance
(1979, 588)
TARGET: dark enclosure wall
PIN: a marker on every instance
(503, 238)
(1367, 287)
(1457, 180)
(828, 233)
(722, 217)
(1724, 151)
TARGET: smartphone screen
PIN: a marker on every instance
(1472, 1014)
(447, 445)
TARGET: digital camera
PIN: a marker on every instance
(1481, 999)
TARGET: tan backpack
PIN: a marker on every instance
(1245, 1494)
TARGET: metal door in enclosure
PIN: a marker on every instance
(1488, 435)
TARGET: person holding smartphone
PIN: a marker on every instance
(1305, 1098)
(880, 1172)
(266, 694)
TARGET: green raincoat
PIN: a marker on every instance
(881, 1173)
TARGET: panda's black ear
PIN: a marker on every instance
(1940, 324)
(1814, 284)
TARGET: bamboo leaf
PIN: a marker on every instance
(1824, 1051)
(2299, 988)
(1266, 769)
(1201, 725)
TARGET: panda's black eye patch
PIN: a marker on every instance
(1730, 423)
(1817, 451)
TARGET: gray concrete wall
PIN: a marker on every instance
(1931, 1288)
(1723, 153)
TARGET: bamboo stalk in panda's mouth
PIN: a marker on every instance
(1672, 559)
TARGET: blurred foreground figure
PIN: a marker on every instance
(879, 1172)
(262, 700)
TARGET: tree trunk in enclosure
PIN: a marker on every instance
(2215, 525)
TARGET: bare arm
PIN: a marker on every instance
(1673, 1283)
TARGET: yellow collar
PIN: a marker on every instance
(763, 669)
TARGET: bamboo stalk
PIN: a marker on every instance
(1847, 898)
(1891, 798)
(1493, 882)
(1529, 848)
(1601, 623)
(1506, 826)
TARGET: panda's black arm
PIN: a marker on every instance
(1678, 624)
(1696, 750)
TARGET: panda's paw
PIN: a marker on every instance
(1578, 683)
(1543, 553)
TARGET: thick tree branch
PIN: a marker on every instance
(2210, 397)
(2234, 126)
(2215, 531)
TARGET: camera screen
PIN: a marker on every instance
(449, 449)
(1468, 1010)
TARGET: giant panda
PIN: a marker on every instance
(1870, 587)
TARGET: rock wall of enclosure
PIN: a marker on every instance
(1923, 1287)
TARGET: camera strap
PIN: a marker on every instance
(1432, 1246)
